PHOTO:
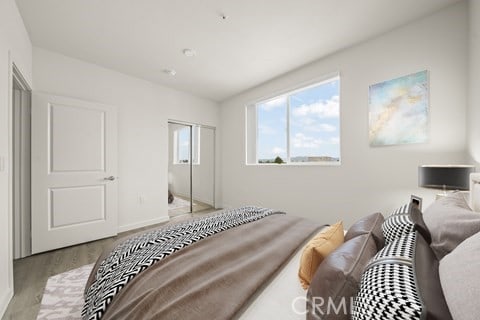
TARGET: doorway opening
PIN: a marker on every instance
(21, 164)
(191, 168)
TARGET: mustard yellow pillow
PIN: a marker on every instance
(317, 249)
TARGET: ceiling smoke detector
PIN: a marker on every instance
(189, 52)
(170, 72)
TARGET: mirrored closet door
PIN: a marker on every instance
(191, 168)
(203, 170)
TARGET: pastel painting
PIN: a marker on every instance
(398, 110)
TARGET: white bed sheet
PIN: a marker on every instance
(283, 298)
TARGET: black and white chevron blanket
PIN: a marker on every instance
(136, 254)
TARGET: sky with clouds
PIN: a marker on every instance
(183, 144)
(314, 123)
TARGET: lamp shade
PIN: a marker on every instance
(452, 177)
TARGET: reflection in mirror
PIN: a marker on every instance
(179, 182)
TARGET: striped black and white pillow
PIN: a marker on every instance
(397, 224)
(388, 288)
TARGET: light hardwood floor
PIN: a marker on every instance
(31, 273)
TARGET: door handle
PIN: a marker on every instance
(111, 178)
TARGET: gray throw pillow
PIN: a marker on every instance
(434, 305)
(450, 221)
(337, 279)
(417, 217)
(369, 224)
(460, 281)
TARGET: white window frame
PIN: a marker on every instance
(195, 145)
(251, 124)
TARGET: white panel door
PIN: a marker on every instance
(74, 171)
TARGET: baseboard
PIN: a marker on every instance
(226, 206)
(4, 301)
(142, 224)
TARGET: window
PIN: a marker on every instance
(299, 127)
(182, 145)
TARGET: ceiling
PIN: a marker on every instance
(260, 39)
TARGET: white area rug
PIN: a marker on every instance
(63, 295)
(178, 203)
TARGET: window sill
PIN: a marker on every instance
(298, 164)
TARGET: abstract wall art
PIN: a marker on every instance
(398, 110)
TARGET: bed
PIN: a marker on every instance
(244, 264)
(197, 269)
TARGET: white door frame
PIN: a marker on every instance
(6, 165)
(21, 171)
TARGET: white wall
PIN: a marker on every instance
(474, 82)
(143, 111)
(15, 47)
(369, 179)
